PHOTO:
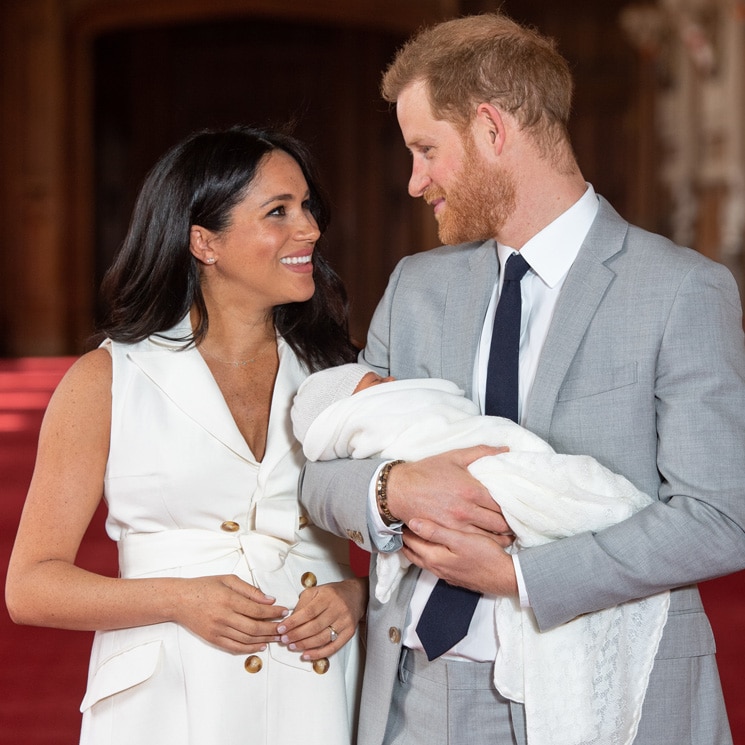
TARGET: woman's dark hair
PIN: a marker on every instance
(154, 279)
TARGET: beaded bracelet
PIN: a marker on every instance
(381, 491)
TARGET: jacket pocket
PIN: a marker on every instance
(121, 671)
(601, 381)
(687, 634)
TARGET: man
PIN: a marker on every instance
(630, 350)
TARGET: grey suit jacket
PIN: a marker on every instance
(644, 369)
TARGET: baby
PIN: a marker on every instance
(352, 412)
(345, 412)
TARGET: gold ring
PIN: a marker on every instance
(334, 633)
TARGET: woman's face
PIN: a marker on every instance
(265, 253)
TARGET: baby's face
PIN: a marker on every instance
(370, 379)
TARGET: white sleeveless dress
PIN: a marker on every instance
(186, 498)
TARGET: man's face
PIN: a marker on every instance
(471, 197)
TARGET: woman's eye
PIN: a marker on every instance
(278, 211)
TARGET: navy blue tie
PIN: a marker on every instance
(448, 612)
(504, 355)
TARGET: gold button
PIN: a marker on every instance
(394, 634)
(230, 527)
(321, 666)
(253, 664)
(303, 521)
(309, 580)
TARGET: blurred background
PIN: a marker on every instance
(92, 92)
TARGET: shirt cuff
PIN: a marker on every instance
(386, 538)
(522, 590)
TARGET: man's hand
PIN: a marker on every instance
(441, 490)
(464, 559)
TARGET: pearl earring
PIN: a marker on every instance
(211, 260)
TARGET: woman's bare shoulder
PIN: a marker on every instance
(86, 386)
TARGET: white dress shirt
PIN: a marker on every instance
(550, 254)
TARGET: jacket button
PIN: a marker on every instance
(230, 527)
(321, 666)
(394, 634)
(253, 664)
(309, 580)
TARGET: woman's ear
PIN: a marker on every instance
(200, 245)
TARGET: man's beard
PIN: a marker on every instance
(477, 205)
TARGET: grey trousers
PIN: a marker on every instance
(455, 703)
(450, 703)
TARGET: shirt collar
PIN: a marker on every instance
(552, 251)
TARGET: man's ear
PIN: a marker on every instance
(200, 245)
(489, 127)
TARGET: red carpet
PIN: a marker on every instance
(43, 671)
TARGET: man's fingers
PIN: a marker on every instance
(466, 456)
(432, 532)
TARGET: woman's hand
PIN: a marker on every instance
(337, 607)
(228, 612)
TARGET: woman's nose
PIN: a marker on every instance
(308, 229)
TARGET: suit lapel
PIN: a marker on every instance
(583, 291)
(465, 308)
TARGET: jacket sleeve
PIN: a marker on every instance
(695, 529)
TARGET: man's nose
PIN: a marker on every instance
(418, 181)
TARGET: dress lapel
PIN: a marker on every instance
(280, 438)
(277, 506)
(183, 377)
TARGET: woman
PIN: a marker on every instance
(233, 620)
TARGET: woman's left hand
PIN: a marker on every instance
(325, 618)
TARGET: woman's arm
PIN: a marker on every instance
(45, 588)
